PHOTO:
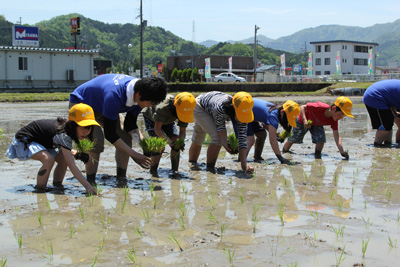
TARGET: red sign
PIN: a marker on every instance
(159, 67)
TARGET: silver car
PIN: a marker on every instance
(228, 78)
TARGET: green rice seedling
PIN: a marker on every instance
(385, 177)
(316, 236)
(131, 255)
(340, 205)
(137, 229)
(365, 204)
(123, 205)
(364, 246)
(48, 205)
(230, 180)
(3, 262)
(72, 231)
(254, 217)
(241, 198)
(233, 143)
(229, 254)
(281, 210)
(392, 243)
(100, 248)
(367, 223)
(223, 228)
(90, 199)
(99, 189)
(211, 217)
(39, 217)
(331, 194)
(1, 133)
(50, 252)
(173, 238)
(155, 201)
(398, 217)
(151, 187)
(210, 198)
(125, 192)
(145, 215)
(315, 214)
(335, 178)
(181, 221)
(19, 240)
(105, 220)
(153, 146)
(184, 191)
(285, 134)
(339, 231)
(305, 176)
(309, 122)
(374, 184)
(95, 259)
(340, 258)
(389, 195)
(82, 213)
(293, 264)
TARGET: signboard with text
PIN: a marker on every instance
(25, 36)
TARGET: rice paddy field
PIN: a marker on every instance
(317, 212)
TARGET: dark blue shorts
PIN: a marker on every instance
(169, 129)
(298, 133)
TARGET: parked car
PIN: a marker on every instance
(228, 78)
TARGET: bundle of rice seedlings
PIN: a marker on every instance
(208, 140)
(309, 122)
(179, 144)
(233, 143)
(152, 146)
(285, 134)
(84, 145)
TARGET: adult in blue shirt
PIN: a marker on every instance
(270, 116)
(110, 95)
(382, 100)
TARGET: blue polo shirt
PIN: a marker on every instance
(105, 94)
(261, 112)
(383, 94)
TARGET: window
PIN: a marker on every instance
(361, 61)
(361, 48)
(327, 61)
(327, 48)
(317, 73)
(327, 72)
(317, 48)
(22, 63)
(344, 60)
(317, 61)
(344, 47)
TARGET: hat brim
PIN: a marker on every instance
(245, 117)
(186, 118)
(348, 114)
(85, 123)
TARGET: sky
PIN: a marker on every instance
(217, 20)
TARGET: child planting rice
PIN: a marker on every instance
(50, 141)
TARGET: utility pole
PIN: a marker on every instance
(141, 40)
(255, 50)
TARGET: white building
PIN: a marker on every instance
(353, 57)
(44, 69)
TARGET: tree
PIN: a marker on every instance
(174, 75)
(195, 74)
(184, 76)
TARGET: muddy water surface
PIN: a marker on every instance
(315, 213)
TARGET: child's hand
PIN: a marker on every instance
(345, 155)
(249, 169)
(84, 157)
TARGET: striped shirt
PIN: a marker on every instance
(212, 103)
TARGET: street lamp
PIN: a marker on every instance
(130, 58)
(255, 50)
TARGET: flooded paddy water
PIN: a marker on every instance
(320, 212)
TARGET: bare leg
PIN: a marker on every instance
(382, 136)
(60, 170)
(259, 145)
(155, 161)
(318, 150)
(194, 152)
(250, 143)
(397, 122)
(47, 161)
(212, 153)
(175, 158)
(91, 167)
(287, 146)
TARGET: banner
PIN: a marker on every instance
(208, 68)
(283, 66)
(338, 71)
(310, 65)
(75, 26)
(230, 64)
(370, 65)
(25, 36)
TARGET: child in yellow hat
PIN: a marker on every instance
(211, 112)
(160, 121)
(50, 141)
(313, 117)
